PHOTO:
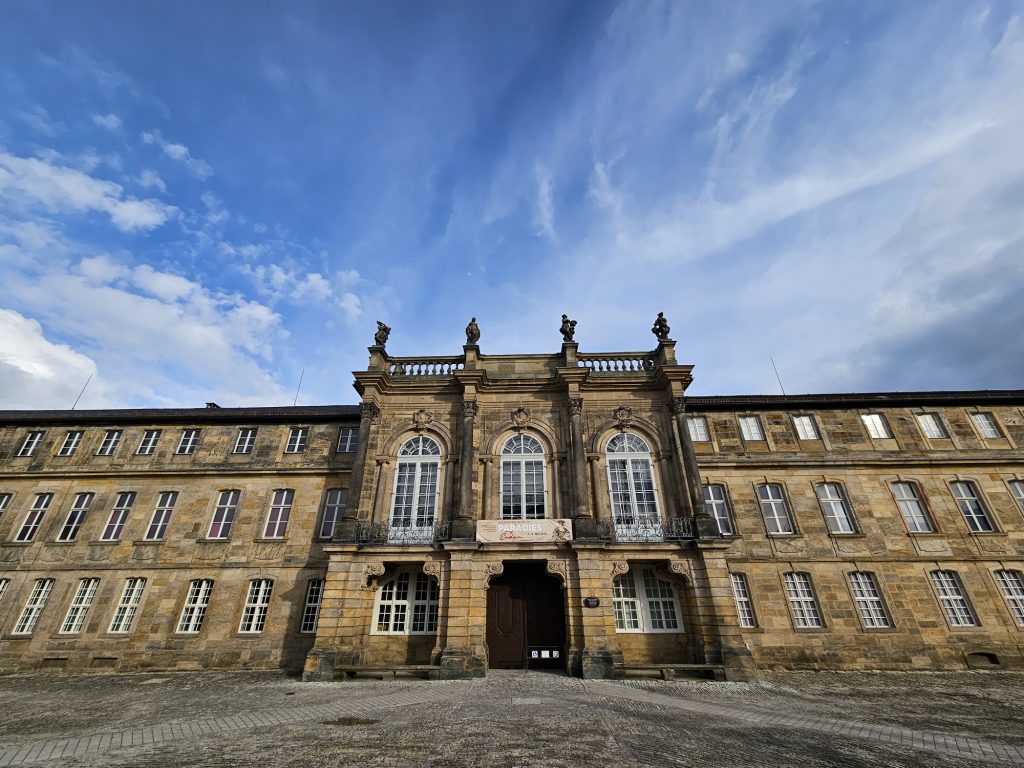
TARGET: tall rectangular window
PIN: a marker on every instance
(347, 438)
(33, 607)
(34, 517)
(744, 605)
(750, 428)
(5, 501)
(931, 426)
(110, 442)
(224, 514)
(802, 604)
(774, 509)
(196, 602)
(986, 425)
(149, 440)
(868, 599)
(834, 506)
(805, 428)
(118, 516)
(297, 440)
(911, 507)
(953, 599)
(1016, 490)
(876, 425)
(410, 592)
(161, 515)
(30, 444)
(716, 503)
(188, 442)
(1011, 584)
(257, 602)
(311, 609)
(644, 602)
(245, 441)
(3, 587)
(974, 511)
(698, 428)
(280, 511)
(76, 516)
(70, 444)
(334, 507)
(80, 604)
(128, 605)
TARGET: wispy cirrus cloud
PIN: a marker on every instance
(179, 152)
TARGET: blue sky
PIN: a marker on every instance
(200, 201)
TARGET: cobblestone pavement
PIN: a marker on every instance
(219, 719)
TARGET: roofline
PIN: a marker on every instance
(856, 400)
(210, 415)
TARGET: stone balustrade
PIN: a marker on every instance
(425, 366)
(617, 362)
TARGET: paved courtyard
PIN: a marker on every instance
(512, 719)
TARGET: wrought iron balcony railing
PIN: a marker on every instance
(390, 533)
(642, 528)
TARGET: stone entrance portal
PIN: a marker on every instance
(525, 619)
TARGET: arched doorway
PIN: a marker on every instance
(525, 619)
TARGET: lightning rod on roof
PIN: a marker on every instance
(303, 373)
(777, 377)
(82, 392)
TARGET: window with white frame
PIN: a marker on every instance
(802, 604)
(908, 499)
(967, 498)
(750, 428)
(335, 501)
(3, 587)
(407, 604)
(79, 607)
(76, 516)
(161, 515)
(280, 511)
(744, 605)
(835, 508)
(716, 503)
(127, 606)
(1016, 490)
(953, 599)
(698, 428)
(774, 508)
(5, 501)
(149, 440)
(70, 444)
(30, 444)
(523, 486)
(1011, 584)
(347, 439)
(805, 428)
(224, 514)
(34, 517)
(111, 439)
(311, 608)
(931, 426)
(644, 602)
(986, 425)
(197, 600)
(876, 425)
(868, 599)
(118, 516)
(257, 603)
(245, 441)
(297, 438)
(188, 442)
(631, 486)
(33, 607)
(414, 500)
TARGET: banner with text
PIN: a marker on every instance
(493, 531)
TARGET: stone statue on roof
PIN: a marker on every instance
(660, 328)
(380, 338)
(472, 332)
(568, 329)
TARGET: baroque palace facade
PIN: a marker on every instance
(572, 511)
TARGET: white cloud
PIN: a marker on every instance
(544, 216)
(29, 181)
(179, 152)
(39, 120)
(109, 121)
(350, 303)
(151, 179)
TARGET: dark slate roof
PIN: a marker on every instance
(296, 414)
(979, 397)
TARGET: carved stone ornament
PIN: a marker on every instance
(493, 569)
(434, 568)
(380, 338)
(371, 573)
(678, 405)
(368, 411)
(520, 417)
(568, 329)
(472, 332)
(660, 327)
(680, 568)
(575, 406)
(624, 416)
(470, 408)
(557, 568)
(422, 418)
(619, 568)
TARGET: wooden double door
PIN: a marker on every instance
(525, 619)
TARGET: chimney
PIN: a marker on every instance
(212, 405)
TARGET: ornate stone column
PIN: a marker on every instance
(462, 525)
(345, 530)
(584, 520)
(705, 525)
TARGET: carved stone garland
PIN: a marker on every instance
(520, 417)
(422, 419)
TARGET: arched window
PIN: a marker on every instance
(631, 485)
(522, 479)
(414, 503)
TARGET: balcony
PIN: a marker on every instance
(402, 533)
(647, 528)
